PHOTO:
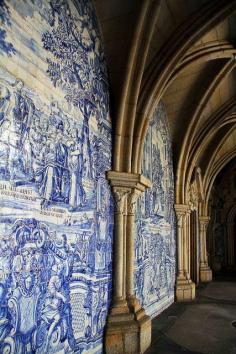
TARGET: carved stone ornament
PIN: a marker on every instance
(193, 196)
(119, 198)
(132, 200)
(181, 211)
(203, 223)
(180, 218)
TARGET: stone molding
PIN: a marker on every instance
(132, 201)
(204, 219)
(128, 180)
(181, 211)
(119, 195)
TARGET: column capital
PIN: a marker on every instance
(181, 210)
(204, 221)
(119, 195)
(131, 201)
(128, 180)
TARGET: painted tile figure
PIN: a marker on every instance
(17, 113)
(56, 209)
(155, 242)
(49, 152)
(36, 285)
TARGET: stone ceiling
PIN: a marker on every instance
(183, 52)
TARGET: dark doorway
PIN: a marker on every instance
(234, 246)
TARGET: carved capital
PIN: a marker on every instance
(132, 200)
(203, 221)
(181, 211)
(181, 217)
(119, 198)
(124, 183)
(128, 180)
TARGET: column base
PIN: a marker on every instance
(205, 275)
(128, 333)
(185, 290)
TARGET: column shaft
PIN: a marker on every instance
(119, 244)
(130, 256)
(202, 244)
(185, 246)
(185, 288)
(180, 251)
(189, 244)
(118, 256)
(203, 251)
(205, 271)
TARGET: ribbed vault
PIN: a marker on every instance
(183, 53)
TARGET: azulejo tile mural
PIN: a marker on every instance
(155, 224)
(56, 210)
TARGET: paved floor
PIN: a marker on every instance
(204, 326)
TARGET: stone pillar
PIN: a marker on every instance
(119, 298)
(130, 250)
(185, 288)
(189, 242)
(205, 271)
(128, 327)
(186, 244)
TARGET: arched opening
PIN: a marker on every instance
(222, 229)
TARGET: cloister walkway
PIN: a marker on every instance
(204, 326)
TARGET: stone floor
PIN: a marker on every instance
(204, 326)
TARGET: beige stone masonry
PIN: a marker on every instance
(205, 271)
(185, 288)
(128, 327)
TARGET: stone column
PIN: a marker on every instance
(130, 237)
(128, 327)
(189, 242)
(205, 271)
(186, 244)
(185, 288)
(119, 298)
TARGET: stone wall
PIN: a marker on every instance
(155, 236)
(56, 210)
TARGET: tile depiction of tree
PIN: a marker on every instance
(79, 65)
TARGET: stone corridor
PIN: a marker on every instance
(204, 326)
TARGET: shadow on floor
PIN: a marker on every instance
(204, 326)
(167, 346)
